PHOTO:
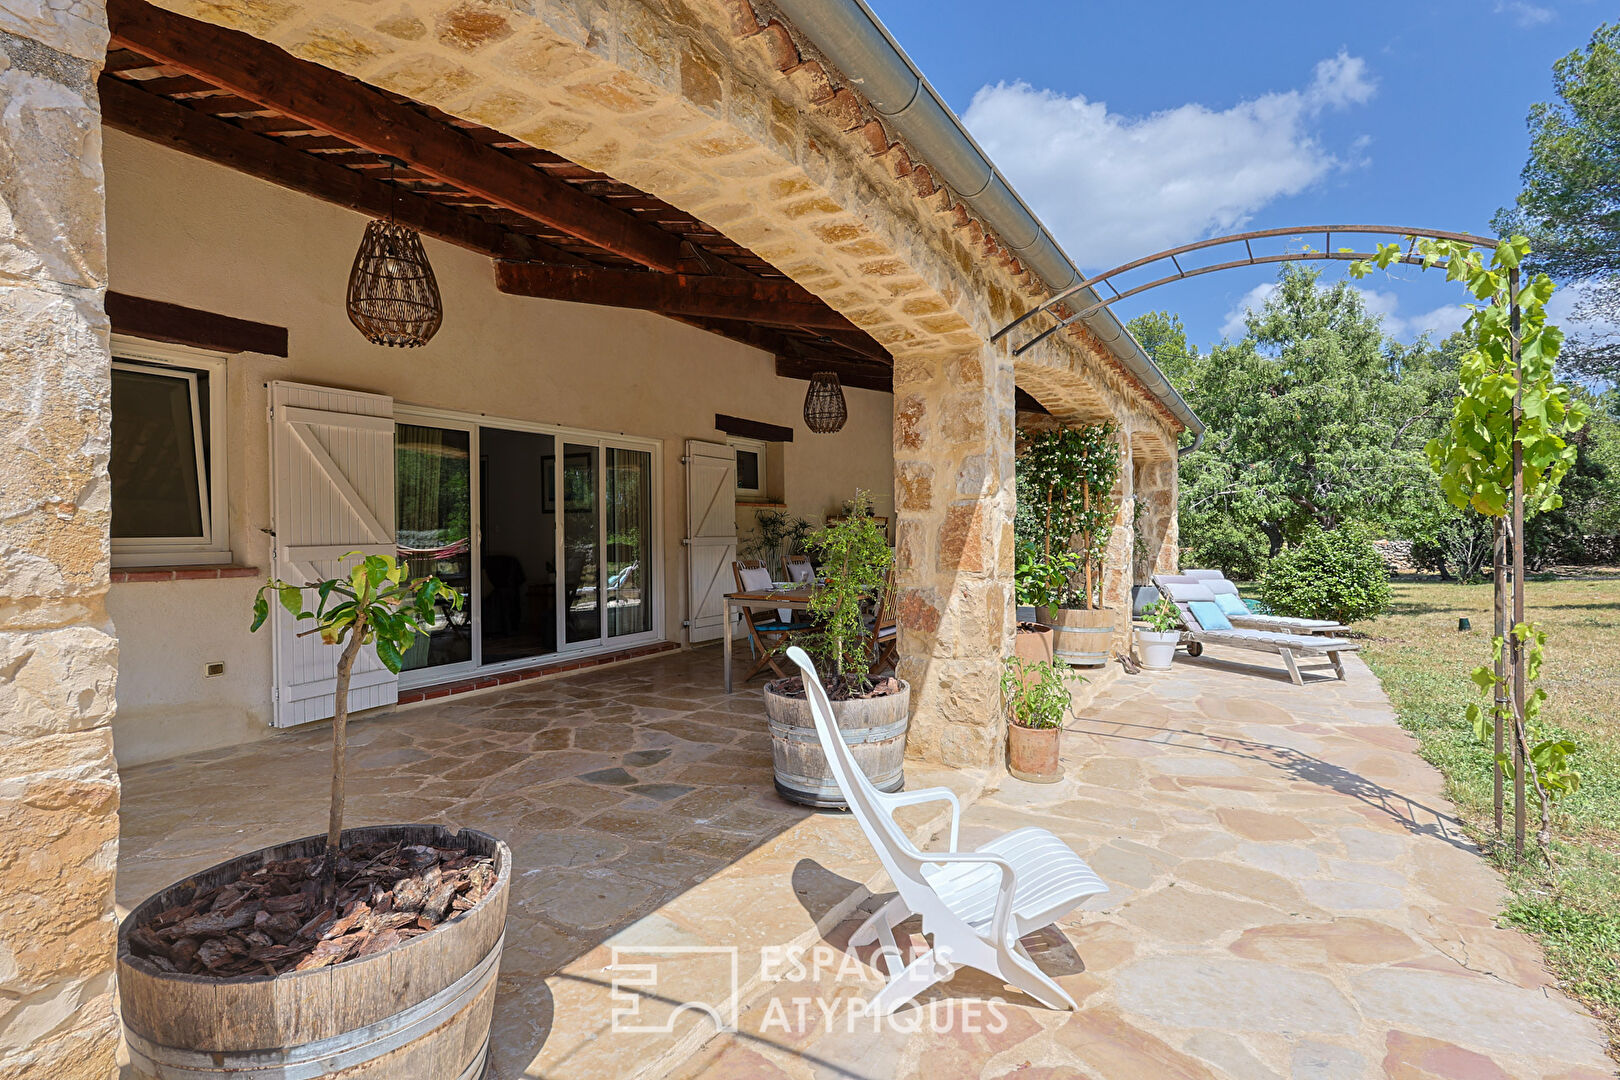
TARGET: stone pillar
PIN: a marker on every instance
(953, 487)
(58, 657)
(1117, 560)
(1158, 491)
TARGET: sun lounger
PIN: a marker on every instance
(1288, 646)
(1246, 619)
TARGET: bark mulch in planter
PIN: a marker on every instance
(838, 687)
(272, 920)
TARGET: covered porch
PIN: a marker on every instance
(1289, 895)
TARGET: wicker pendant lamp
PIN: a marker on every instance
(824, 408)
(393, 295)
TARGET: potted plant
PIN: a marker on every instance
(1066, 479)
(1038, 583)
(396, 922)
(872, 713)
(777, 535)
(1157, 644)
(1036, 697)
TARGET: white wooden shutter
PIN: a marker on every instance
(711, 536)
(332, 484)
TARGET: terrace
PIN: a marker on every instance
(1289, 894)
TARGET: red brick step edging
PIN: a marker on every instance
(484, 682)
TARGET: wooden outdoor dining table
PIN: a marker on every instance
(797, 599)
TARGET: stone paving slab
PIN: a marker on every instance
(1291, 897)
(639, 806)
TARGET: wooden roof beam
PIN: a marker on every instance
(860, 376)
(756, 300)
(129, 109)
(333, 103)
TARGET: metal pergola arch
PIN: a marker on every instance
(1062, 310)
(1066, 297)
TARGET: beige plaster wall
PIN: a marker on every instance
(194, 233)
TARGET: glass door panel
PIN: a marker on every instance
(582, 594)
(433, 501)
(518, 538)
(629, 583)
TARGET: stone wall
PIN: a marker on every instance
(58, 783)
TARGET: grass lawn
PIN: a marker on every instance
(1423, 662)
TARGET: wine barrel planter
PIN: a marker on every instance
(873, 728)
(419, 1009)
(1081, 637)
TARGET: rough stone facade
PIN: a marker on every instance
(58, 658)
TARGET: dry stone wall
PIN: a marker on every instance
(58, 782)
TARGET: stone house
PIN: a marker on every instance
(651, 222)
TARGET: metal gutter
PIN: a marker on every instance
(862, 48)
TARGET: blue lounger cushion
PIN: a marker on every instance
(1209, 615)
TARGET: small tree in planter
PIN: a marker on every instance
(375, 605)
(1066, 481)
(1035, 695)
(294, 926)
(854, 557)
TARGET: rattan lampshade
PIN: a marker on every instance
(393, 296)
(824, 408)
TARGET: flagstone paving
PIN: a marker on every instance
(1289, 894)
(1290, 897)
(639, 806)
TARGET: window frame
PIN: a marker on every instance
(176, 361)
(757, 447)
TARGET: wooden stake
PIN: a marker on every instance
(1499, 701)
(1517, 652)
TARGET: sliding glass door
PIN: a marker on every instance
(549, 535)
(433, 501)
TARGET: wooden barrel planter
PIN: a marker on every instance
(873, 728)
(419, 1009)
(1081, 637)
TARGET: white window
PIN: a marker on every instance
(750, 467)
(168, 455)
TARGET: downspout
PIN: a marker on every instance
(862, 49)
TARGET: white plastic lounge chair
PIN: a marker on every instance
(1282, 624)
(1288, 646)
(974, 905)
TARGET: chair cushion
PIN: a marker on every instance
(1186, 592)
(1231, 605)
(1209, 615)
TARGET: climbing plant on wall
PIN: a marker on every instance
(1066, 481)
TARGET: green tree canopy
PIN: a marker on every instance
(1315, 418)
(1570, 205)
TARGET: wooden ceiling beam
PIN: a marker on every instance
(860, 376)
(162, 121)
(756, 300)
(335, 104)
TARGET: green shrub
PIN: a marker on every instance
(1328, 575)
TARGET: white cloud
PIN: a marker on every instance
(1437, 323)
(1526, 14)
(1114, 187)
(1235, 325)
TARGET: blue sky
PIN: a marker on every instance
(1131, 127)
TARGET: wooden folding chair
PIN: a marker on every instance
(767, 630)
(885, 645)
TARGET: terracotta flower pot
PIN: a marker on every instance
(1032, 754)
(1033, 642)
